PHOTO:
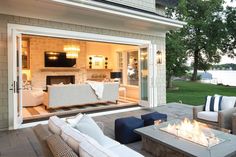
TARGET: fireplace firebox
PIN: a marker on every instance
(65, 79)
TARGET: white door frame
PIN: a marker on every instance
(34, 30)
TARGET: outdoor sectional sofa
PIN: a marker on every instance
(79, 94)
(58, 139)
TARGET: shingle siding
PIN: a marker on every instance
(5, 19)
(149, 5)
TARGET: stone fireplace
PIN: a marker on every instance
(65, 79)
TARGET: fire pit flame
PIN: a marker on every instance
(193, 132)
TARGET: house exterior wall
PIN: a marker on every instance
(6, 19)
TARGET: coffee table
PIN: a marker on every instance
(163, 144)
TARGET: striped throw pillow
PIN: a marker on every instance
(213, 103)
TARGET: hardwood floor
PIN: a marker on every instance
(38, 113)
(23, 142)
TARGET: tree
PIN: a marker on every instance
(175, 56)
(205, 34)
(229, 43)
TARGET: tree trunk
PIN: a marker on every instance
(169, 82)
(195, 65)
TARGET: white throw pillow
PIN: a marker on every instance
(72, 121)
(89, 127)
(55, 124)
(228, 102)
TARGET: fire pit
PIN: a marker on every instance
(194, 132)
(178, 138)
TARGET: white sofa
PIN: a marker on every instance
(79, 94)
(86, 146)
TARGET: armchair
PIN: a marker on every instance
(32, 97)
(221, 119)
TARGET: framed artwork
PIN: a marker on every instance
(98, 62)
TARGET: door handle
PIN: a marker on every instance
(13, 86)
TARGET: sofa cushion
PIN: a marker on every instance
(72, 137)
(108, 142)
(55, 124)
(88, 126)
(213, 103)
(72, 121)
(228, 102)
(84, 145)
(123, 151)
(91, 149)
(208, 115)
(59, 148)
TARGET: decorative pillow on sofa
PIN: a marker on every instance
(213, 103)
(55, 124)
(88, 126)
(72, 121)
(59, 148)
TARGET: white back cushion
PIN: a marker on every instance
(84, 145)
(228, 102)
(88, 126)
(72, 121)
(55, 124)
(72, 137)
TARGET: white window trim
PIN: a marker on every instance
(34, 30)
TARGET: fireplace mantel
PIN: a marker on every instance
(60, 69)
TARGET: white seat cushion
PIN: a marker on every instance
(208, 115)
(123, 151)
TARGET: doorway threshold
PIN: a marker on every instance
(91, 114)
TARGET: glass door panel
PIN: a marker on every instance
(144, 76)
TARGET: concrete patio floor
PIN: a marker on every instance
(23, 142)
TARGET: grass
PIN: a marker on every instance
(194, 93)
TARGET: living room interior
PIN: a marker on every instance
(52, 64)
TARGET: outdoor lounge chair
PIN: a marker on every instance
(222, 118)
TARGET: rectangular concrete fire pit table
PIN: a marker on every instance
(163, 144)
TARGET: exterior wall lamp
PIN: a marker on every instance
(159, 57)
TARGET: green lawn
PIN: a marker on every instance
(194, 93)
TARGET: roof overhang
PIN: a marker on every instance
(91, 13)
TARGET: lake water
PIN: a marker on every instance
(225, 77)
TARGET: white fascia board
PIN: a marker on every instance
(123, 12)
